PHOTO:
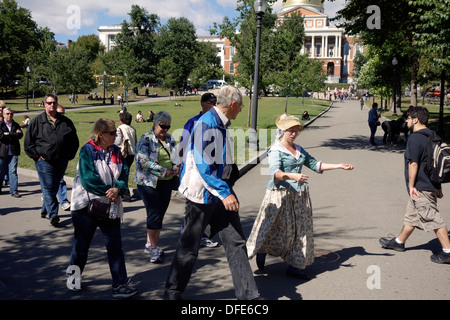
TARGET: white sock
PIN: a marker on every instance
(446, 250)
(398, 241)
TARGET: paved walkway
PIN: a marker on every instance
(351, 211)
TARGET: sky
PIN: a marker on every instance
(69, 19)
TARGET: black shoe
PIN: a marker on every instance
(261, 260)
(297, 273)
(390, 243)
(172, 295)
(15, 194)
(441, 258)
(54, 221)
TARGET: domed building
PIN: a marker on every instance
(324, 42)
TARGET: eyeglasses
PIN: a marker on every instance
(9, 114)
(112, 133)
(164, 127)
(293, 131)
(51, 102)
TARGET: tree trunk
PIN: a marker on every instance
(414, 74)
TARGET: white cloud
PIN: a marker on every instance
(93, 13)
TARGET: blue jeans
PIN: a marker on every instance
(373, 130)
(84, 230)
(8, 166)
(62, 191)
(50, 175)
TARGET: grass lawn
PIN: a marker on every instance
(269, 108)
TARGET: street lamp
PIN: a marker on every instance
(28, 83)
(126, 87)
(104, 87)
(394, 63)
(260, 7)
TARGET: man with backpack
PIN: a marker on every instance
(422, 211)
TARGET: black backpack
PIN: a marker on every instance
(438, 166)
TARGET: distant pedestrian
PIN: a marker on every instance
(102, 175)
(62, 190)
(10, 134)
(126, 140)
(422, 212)
(361, 101)
(51, 141)
(284, 224)
(373, 122)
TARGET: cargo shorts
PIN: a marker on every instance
(423, 213)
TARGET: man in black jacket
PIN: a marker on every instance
(10, 133)
(51, 141)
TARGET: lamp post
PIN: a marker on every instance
(126, 87)
(28, 83)
(260, 7)
(104, 87)
(394, 63)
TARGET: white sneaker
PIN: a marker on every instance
(65, 206)
(156, 255)
(206, 242)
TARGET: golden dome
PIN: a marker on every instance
(316, 4)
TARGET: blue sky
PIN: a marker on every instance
(69, 19)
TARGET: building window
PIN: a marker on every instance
(232, 51)
(232, 67)
(318, 49)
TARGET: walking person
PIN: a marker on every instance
(155, 171)
(51, 141)
(373, 122)
(126, 140)
(421, 212)
(10, 134)
(62, 190)
(102, 174)
(284, 224)
(207, 101)
(210, 200)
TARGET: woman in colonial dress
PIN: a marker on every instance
(284, 224)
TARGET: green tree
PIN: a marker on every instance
(136, 45)
(433, 36)
(18, 33)
(177, 45)
(206, 65)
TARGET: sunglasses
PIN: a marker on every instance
(9, 114)
(51, 102)
(164, 127)
(112, 133)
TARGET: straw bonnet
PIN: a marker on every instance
(286, 121)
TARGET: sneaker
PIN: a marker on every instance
(123, 291)
(148, 249)
(206, 242)
(156, 255)
(65, 206)
(441, 258)
(390, 243)
(15, 194)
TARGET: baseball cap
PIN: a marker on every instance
(208, 97)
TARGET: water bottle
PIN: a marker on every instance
(113, 210)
